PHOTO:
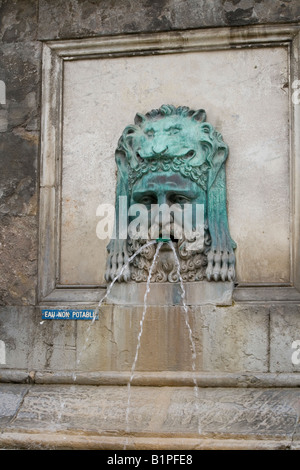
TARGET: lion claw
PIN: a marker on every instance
(220, 265)
(117, 267)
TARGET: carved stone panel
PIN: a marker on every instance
(92, 90)
(242, 109)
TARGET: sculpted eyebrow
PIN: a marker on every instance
(174, 127)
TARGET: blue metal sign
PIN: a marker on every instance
(68, 314)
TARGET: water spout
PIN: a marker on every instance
(121, 272)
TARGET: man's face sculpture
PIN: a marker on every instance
(167, 196)
(172, 158)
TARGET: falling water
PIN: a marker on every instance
(186, 319)
(183, 296)
(106, 295)
(140, 333)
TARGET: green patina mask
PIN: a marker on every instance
(168, 156)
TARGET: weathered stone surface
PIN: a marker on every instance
(11, 399)
(110, 344)
(235, 339)
(196, 293)
(35, 345)
(18, 266)
(157, 379)
(55, 345)
(176, 412)
(66, 441)
(18, 227)
(284, 330)
(17, 334)
(226, 339)
(85, 18)
(257, 137)
(18, 20)
(20, 69)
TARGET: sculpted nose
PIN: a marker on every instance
(162, 199)
(159, 149)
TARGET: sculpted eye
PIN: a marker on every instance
(173, 130)
(147, 200)
(179, 199)
(150, 133)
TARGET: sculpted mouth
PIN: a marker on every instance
(165, 154)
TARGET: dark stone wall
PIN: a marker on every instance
(80, 18)
(24, 24)
(20, 69)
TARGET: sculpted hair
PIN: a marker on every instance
(210, 140)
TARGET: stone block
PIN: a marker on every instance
(154, 412)
(111, 342)
(258, 200)
(168, 294)
(18, 259)
(17, 334)
(11, 399)
(19, 20)
(235, 338)
(31, 344)
(20, 71)
(284, 330)
(226, 339)
(60, 20)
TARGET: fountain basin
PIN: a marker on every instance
(89, 417)
(167, 293)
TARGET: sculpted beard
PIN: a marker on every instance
(192, 249)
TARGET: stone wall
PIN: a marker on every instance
(20, 69)
(251, 337)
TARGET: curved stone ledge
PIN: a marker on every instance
(95, 417)
(68, 441)
(167, 293)
(154, 379)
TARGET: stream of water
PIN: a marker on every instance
(140, 332)
(187, 323)
(105, 296)
(186, 319)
